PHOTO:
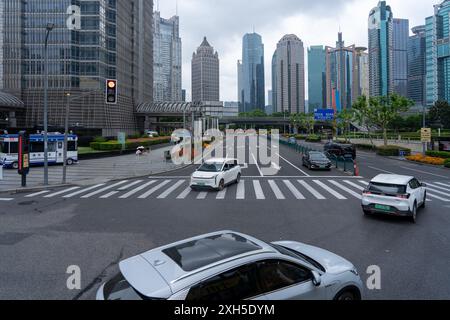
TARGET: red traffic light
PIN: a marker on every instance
(111, 84)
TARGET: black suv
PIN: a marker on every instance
(340, 150)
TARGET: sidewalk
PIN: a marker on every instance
(94, 171)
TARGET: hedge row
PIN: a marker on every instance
(392, 151)
(313, 138)
(439, 154)
(115, 146)
(447, 163)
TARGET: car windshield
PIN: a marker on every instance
(297, 255)
(211, 167)
(318, 156)
(386, 188)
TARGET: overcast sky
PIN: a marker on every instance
(315, 22)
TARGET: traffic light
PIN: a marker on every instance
(111, 91)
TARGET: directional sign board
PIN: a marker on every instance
(324, 114)
(426, 135)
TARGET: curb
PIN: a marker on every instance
(57, 186)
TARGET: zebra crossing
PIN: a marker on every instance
(297, 189)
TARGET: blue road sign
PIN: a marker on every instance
(324, 114)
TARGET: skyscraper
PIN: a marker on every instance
(167, 59)
(437, 32)
(240, 93)
(252, 73)
(400, 64)
(362, 58)
(205, 74)
(290, 75)
(113, 43)
(381, 50)
(274, 82)
(317, 78)
(416, 66)
(341, 75)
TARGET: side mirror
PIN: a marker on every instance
(424, 185)
(316, 278)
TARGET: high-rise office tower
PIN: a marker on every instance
(416, 66)
(240, 93)
(167, 59)
(381, 50)
(274, 82)
(205, 74)
(252, 73)
(341, 75)
(362, 64)
(290, 75)
(113, 43)
(400, 64)
(317, 78)
(437, 31)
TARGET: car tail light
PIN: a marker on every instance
(403, 196)
(367, 193)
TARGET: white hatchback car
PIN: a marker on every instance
(216, 174)
(394, 195)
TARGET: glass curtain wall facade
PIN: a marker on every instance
(341, 76)
(274, 82)
(362, 63)
(381, 49)
(317, 77)
(111, 44)
(167, 59)
(400, 65)
(437, 32)
(253, 73)
(416, 66)
(290, 70)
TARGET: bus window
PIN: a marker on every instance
(52, 147)
(72, 146)
(37, 147)
(4, 146)
(14, 148)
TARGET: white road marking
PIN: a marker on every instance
(104, 189)
(136, 190)
(313, 191)
(185, 193)
(293, 165)
(109, 195)
(257, 165)
(61, 192)
(202, 195)
(37, 194)
(258, 190)
(354, 185)
(275, 166)
(443, 184)
(378, 169)
(327, 188)
(83, 191)
(128, 186)
(344, 188)
(221, 194)
(278, 194)
(297, 194)
(6, 199)
(240, 193)
(166, 193)
(436, 197)
(420, 171)
(153, 190)
(438, 191)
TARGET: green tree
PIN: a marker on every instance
(308, 122)
(384, 110)
(440, 114)
(296, 121)
(363, 115)
(345, 118)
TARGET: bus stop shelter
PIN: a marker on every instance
(10, 105)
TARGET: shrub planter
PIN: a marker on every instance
(392, 151)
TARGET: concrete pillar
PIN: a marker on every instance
(12, 120)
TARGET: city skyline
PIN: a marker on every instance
(272, 20)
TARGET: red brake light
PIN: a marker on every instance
(403, 196)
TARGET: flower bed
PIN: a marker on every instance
(427, 160)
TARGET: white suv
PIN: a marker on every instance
(394, 195)
(216, 174)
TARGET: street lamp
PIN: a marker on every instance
(49, 28)
(66, 138)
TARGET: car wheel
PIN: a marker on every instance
(15, 165)
(346, 296)
(238, 178)
(69, 162)
(414, 213)
(424, 204)
(221, 185)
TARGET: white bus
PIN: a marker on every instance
(9, 147)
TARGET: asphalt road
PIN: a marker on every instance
(94, 227)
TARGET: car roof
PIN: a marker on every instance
(219, 160)
(392, 179)
(190, 258)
